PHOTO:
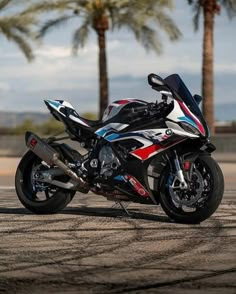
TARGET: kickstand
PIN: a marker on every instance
(124, 208)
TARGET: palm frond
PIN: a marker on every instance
(51, 24)
(197, 9)
(23, 45)
(17, 26)
(149, 40)
(167, 24)
(23, 24)
(140, 17)
(143, 18)
(132, 7)
(80, 37)
(21, 20)
(5, 29)
(230, 6)
(196, 17)
(4, 4)
(144, 34)
(48, 6)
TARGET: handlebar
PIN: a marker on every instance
(151, 109)
(148, 107)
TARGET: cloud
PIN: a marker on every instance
(53, 52)
(58, 52)
(225, 68)
(4, 87)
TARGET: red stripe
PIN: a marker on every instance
(186, 110)
(145, 152)
(109, 109)
(123, 101)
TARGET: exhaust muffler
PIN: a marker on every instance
(51, 157)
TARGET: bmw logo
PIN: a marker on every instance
(169, 132)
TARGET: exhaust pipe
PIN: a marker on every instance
(51, 157)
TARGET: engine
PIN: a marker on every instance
(102, 165)
(108, 161)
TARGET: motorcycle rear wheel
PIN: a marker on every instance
(212, 194)
(55, 198)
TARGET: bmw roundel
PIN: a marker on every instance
(169, 132)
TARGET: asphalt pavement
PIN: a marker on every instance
(93, 247)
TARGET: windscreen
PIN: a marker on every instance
(176, 83)
(178, 86)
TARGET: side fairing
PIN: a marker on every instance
(59, 105)
(65, 109)
(152, 141)
(111, 128)
(181, 113)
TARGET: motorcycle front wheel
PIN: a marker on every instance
(39, 198)
(200, 200)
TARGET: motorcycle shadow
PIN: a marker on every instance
(116, 213)
(97, 212)
(23, 211)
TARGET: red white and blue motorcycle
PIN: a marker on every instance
(149, 153)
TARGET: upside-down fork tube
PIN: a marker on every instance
(51, 157)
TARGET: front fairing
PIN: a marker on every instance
(181, 93)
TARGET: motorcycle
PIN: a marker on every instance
(149, 153)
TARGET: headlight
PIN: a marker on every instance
(189, 128)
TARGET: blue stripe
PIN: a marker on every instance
(119, 178)
(188, 120)
(112, 137)
(101, 133)
(54, 103)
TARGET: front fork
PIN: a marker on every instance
(179, 175)
(182, 172)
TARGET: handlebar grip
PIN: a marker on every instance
(140, 108)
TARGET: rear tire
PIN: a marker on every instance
(26, 194)
(212, 201)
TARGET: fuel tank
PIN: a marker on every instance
(119, 110)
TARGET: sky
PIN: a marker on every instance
(56, 74)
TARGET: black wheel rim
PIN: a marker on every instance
(30, 190)
(200, 168)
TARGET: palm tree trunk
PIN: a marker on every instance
(207, 64)
(103, 84)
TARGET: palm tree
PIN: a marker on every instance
(209, 8)
(138, 16)
(16, 27)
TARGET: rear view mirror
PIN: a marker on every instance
(155, 81)
(197, 98)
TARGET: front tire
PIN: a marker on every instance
(56, 198)
(213, 190)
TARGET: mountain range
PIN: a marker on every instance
(12, 119)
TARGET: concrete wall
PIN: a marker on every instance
(15, 145)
